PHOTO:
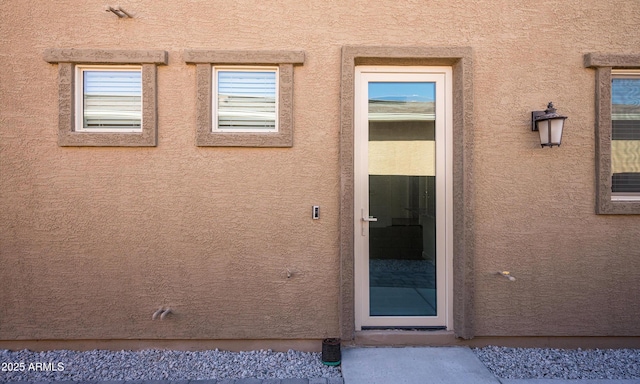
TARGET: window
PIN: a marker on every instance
(107, 97)
(617, 132)
(625, 135)
(244, 98)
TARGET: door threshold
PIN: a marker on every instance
(405, 338)
(442, 328)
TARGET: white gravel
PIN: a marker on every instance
(507, 363)
(539, 363)
(64, 365)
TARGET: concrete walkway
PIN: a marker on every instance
(450, 365)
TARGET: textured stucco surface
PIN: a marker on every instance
(93, 240)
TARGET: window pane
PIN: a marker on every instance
(112, 99)
(402, 195)
(246, 100)
(625, 143)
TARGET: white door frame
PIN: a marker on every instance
(442, 76)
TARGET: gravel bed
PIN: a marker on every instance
(154, 364)
(539, 363)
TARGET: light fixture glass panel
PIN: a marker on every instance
(543, 128)
(556, 130)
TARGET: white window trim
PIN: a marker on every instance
(623, 73)
(79, 98)
(214, 101)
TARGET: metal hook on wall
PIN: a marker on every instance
(165, 313)
(157, 313)
(118, 11)
(162, 313)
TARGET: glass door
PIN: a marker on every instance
(401, 197)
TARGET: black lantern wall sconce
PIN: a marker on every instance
(549, 124)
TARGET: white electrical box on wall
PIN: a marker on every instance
(316, 212)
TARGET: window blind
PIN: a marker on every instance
(112, 99)
(625, 143)
(246, 100)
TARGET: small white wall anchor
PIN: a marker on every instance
(507, 274)
(290, 272)
(161, 312)
(118, 11)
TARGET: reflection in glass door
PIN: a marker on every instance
(402, 262)
(401, 198)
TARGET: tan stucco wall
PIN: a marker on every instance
(94, 240)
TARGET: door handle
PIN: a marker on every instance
(366, 219)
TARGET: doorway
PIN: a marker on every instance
(403, 197)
